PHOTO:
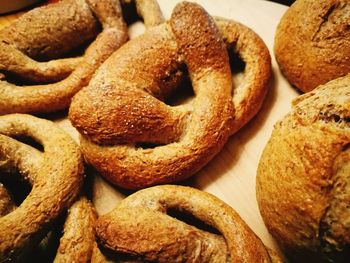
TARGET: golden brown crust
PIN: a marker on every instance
(27, 69)
(46, 28)
(140, 226)
(6, 203)
(128, 89)
(40, 32)
(312, 42)
(303, 174)
(149, 10)
(55, 174)
(78, 241)
(76, 16)
(249, 95)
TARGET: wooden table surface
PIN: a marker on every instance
(231, 174)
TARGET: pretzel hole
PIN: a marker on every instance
(14, 79)
(113, 256)
(191, 220)
(18, 187)
(131, 16)
(146, 145)
(74, 52)
(17, 80)
(129, 12)
(46, 250)
(237, 66)
(183, 93)
(29, 141)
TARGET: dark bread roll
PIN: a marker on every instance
(312, 42)
(303, 178)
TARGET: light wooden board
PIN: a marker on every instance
(231, 174)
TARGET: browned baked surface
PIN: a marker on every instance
(124, 106)
(78, 241)
(139, 226)
(303, 176)
(55, 173)
(34, 51)
(312, 42)
(6, 203)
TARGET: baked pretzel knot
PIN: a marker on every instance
(123, 104)
(55, 174)
(139, 226)
(30, 49)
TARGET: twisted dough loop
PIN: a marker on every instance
(122, 104)
(6, 203)
(55, 175)
(78, 241)
(153, 235)
(39, 34)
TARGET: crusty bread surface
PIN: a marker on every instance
(312, 42)
(303, 176)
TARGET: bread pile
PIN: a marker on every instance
(55, 173)
(39, 76)
(119, 90)
(303, 175)
(75, 55)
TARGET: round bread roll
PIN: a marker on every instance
(303, 178)
(312, 42)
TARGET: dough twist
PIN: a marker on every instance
(55, 173)
(122, 106)
(139, 226)
(78, 241)
(29, 49)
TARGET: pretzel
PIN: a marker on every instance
(78, 243)
(122, 106)
(6, 203)
(139, 226)
(31, 46)
(55, 174)
(78, 240)
(42, 250)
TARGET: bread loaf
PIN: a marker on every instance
(312, 42)
(303, 178)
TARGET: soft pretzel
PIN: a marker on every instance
(6, 203)
(55, 174)
(78, 241)
(303, 176)
(122, 106)
(139, 226)
(29, 49)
